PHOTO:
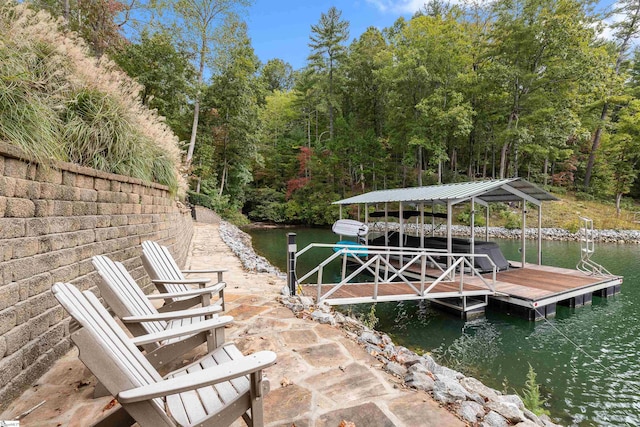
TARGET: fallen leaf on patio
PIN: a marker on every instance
(80, 384)
(344, 423)
(110, 405)
(285, 382)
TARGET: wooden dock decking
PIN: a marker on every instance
(392, 291)
(535, 290)
(538, 286)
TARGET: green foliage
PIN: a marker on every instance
(369, 319)
(265, 204)
(165, 73)
(59, 105)
(277, 75)
(581, 195)
(531, 395)
(464, 218)
(511, 220)
(219, 204)
(572, 225)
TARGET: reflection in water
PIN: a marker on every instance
(477, 345)
(587, 359)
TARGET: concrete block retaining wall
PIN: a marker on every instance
(52, 221)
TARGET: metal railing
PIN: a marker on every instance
(587, 248)
(392, 264)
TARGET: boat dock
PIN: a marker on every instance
(460, 274)
(532, 292)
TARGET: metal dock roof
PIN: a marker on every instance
(501, 190)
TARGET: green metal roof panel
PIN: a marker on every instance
(489, 191)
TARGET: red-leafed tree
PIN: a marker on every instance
(304, 177)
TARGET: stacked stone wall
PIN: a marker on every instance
(53, 219)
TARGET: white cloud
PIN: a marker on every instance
(398, 6)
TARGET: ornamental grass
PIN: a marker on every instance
(57, 102)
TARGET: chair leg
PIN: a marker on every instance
(100, 391)
(247, 419)
(215, 339)
(257, 414)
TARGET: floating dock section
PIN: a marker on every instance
(531, 291)
(402, 267)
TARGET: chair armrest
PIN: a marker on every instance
(209, 376)
(217, 270)
(192, 292)
(172, 315)
(197, 281)
(192, 329)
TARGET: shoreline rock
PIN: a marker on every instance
(558, 234)
(464, 396)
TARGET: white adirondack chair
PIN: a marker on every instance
(168, 278)
(214, 391)
(182, 330)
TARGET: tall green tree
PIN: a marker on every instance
(541, 55)
(165, 73)
(430, 114)
(327, 51)
(364, 108)
(624, 32)
(232, 102)
(277, 75)
(622, 150)
(196, 21)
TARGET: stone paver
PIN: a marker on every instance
(321, 377)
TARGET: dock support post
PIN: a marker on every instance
(449, 240)
(608, 292)
(292, 248)
(486, 227)
(523, 240)
(540, 234)
(472, 218)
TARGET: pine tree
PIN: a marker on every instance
(328, 49)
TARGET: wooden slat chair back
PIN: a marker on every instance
(106, 351)
(214, 391)
(123, 295)
(169, 278)
(161, 262)
(133, 307)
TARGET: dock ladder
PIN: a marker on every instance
(587, 248)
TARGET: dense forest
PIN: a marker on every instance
(548, 90)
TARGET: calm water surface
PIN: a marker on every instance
(587, 359)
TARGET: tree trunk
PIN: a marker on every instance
(419, 166)
(632, 28)
(196, 110)
(546, 170)
(223, 179)
(503, 159)
(331, 98)
(595, 144)
(618, 200)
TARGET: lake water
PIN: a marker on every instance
(587, 359)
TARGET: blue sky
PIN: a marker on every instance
(281, 28)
